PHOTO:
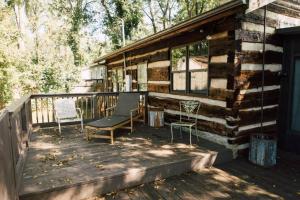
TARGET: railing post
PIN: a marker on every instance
(95, 107)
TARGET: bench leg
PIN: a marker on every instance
(171, 133)
(86, 134)
(112, 137)
(190, 136)
(131, 126)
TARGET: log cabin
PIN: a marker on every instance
(233, 59)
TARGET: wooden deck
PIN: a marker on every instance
(238, 179)
(69, 167)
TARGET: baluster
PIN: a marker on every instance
(86, 107)
(36, 111)
(100, 106)
(81, 106)
(47, 110)
(53, 114)
(42, 110)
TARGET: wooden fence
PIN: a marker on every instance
(17, 120)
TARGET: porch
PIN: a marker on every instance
(69, 167)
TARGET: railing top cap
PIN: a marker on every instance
(3, 113)
(17, 104)
(80, 94)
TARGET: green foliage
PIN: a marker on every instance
(43, 44)
(116, 10)
(46, 63)
(5, 83)
(76, 14)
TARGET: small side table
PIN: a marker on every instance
(156, 117)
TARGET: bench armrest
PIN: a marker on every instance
(132, 112)
(109, 110)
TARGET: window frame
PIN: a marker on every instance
(115, 79)
(188, 72)
(137, 76)
(180, 71)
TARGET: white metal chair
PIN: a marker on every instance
(187, 110)
(66, 111)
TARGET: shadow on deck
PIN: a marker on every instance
(235, 180)
(69, 167)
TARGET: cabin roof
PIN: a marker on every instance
(176, 29)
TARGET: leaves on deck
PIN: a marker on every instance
(99, 166)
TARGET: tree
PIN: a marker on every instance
(115, 11)
(191, 8)
(77, 13)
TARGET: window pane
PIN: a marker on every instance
(179, 59)
(120, 75)
(118, 82)
(296, 98)
(179, 66)
(198, 81)
(114, 75)
(179, 81)
(142, 73)
(198, 65)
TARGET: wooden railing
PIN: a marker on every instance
(93, 105)
(17, 120)
(15, 128)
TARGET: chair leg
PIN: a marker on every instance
(112, 137)
(196, 132)
(171, 133)
(59, 128)
(131, 126)
(181, 132)
(81, 127)
(190, 135)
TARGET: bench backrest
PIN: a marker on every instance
(126, 103)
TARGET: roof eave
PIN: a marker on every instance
(206, 15)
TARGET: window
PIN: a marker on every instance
(117, 79)
(179, 68)
(142, 77)
(198, 66)
(190, 68)
(120, 79)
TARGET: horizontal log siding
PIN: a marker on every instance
(247, 80)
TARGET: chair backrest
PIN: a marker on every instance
(65, 108)
(188, 108)
(126, 103)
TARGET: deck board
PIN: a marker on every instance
(236, 180)
(70, 167)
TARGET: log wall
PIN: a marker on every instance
(249, 58)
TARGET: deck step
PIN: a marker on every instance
(131, 177)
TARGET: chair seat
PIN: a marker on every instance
(110, 121)
(188, 124)
(70, 120)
